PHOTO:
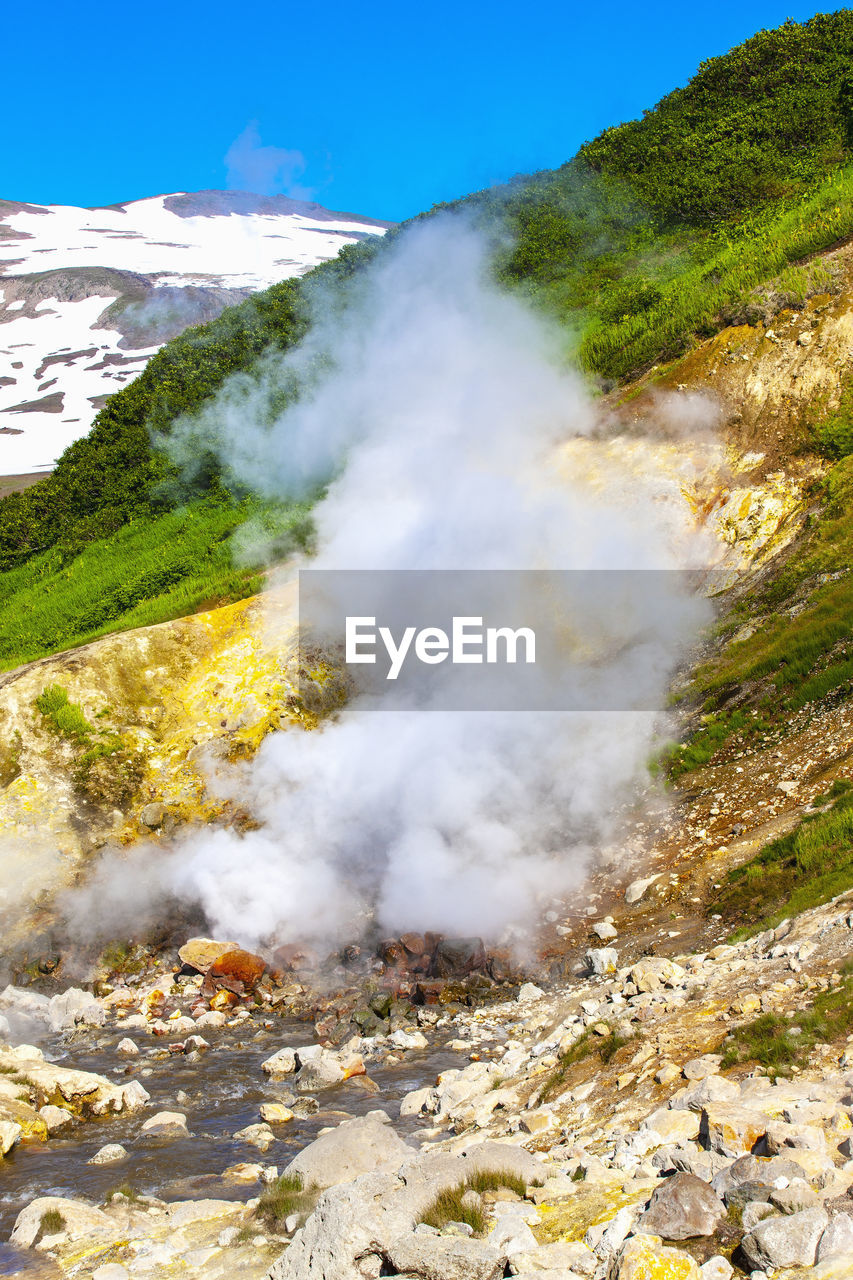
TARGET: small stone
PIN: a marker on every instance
(201, 953)
(55, 1118)
(9, 1135)
(529, 992)
(605, 931)
(211, 1018)
(280, 1064)
(127, 1046)
(637, 889)
(602, 960)
(794, 1198)
(258, 1135)
(702, 1068)
(134, 1095)
(275, 1113)
(166, 1124)
(733, 1130)
(746, 1005)
(152, 815)
(542, 1120)
(717, 1268)
(244, 1172)
(666, 1073)
(112, 1153)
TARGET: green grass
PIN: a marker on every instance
(286, 1196)
(800, 651)
(781, 1043)
(448, 1205)
(717, 729)
(127, 1191)
(108, 770)
(803, 869)
(65, 718)
(51, 1222)
(718, 283)
(148, 571)
(588, 1045)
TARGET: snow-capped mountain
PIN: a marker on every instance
(87, 296)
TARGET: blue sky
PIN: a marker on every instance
(381, 109)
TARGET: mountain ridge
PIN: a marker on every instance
(158, 263)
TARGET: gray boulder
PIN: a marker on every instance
(319, 1073)
(73, 1008)
(837, 1239)
(80, 1217)
(354, 1147)
(788, 1241)
(445, 1258)
(356, 1223)
(682, 1207)
(709, 1091)
(756, 1169)
(561, 1258)
(503, 1157)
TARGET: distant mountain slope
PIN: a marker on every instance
(87, 296)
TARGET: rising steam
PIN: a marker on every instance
(439, 413)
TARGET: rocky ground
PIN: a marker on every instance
(629, 1153)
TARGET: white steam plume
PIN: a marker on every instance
(265, 170)
(441, 415)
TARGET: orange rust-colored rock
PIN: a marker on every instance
(154, 1003)
(223, 1000)
(237, 971)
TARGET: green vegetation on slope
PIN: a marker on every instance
(113, 475)
(148, 571)
(797, 650)
(660, 230)
(108, 770)
(803, 869)
(781, 1043)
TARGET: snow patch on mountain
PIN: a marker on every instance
(87, 296)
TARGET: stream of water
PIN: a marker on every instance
(224, 1090)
